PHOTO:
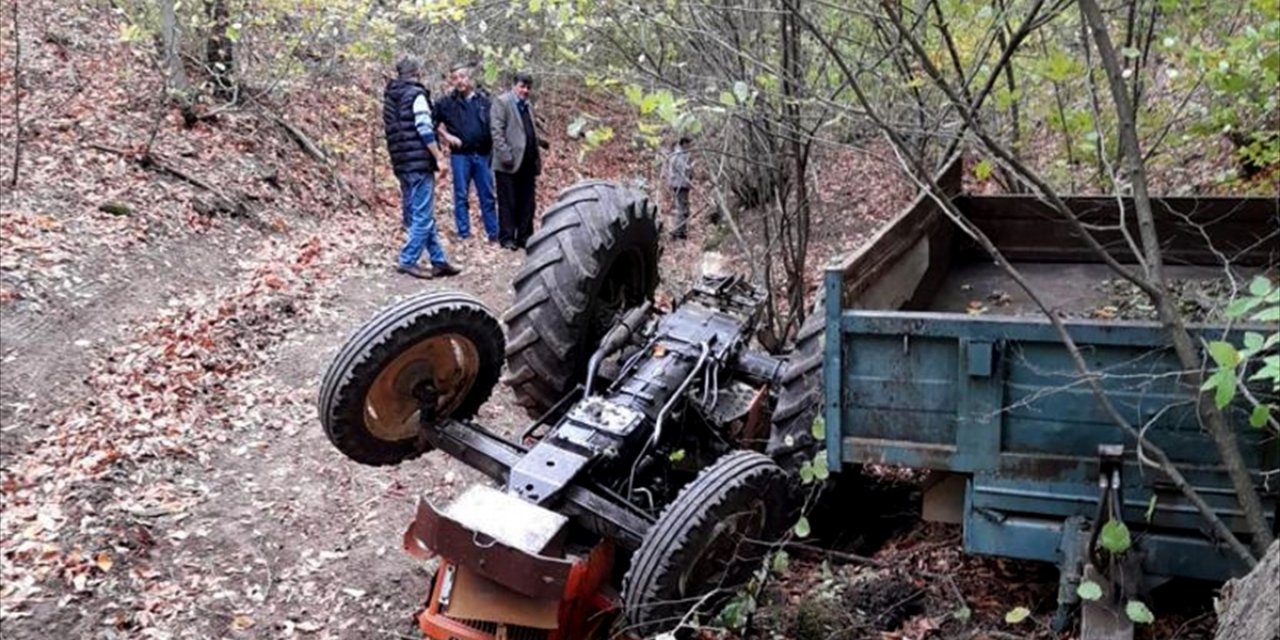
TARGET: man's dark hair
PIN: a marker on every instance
(522, 77)
(408, 67)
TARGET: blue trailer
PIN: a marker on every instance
(925, 354)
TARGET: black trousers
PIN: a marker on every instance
(517, 200)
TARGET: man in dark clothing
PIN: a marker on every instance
(415, 158)
(462, 119)
(679, 172)
(517, 161)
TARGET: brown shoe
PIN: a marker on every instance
(413, 270)
(444, 270)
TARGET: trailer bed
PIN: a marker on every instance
(1074, 289)
(935, 358)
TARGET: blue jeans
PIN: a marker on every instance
(417, 198)
(472, 167)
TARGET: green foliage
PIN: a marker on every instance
(1259, 359)
(737, 611)
(1016, 615)
(819, 428)
(801, 528)
(781, 562)
(982, 170)
(816, 469)
(1115, 537)
(1138, 612)
(1089, 590)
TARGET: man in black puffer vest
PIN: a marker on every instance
(415, 157)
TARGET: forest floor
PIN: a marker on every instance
(164, 471)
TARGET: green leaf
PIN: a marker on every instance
(1130, 52)
(648, 103)
(1270, 370)
(820, 470)
(1253, 342)
(963, 613)
(983, 170)
(677, 455)
(741, 91)
(1059, 66)
(801, 527)
(1115, 537)
(819, 429)
(1271, 314)
(781, 562)
(1260, 286)
(1138, 612)
(806, 473)
(634, 94)
(727, 99)
(1259, 416)
(1224, 354)
(1089, 590)
(1226, 390)
(1017, 614)
(1151, 508)
(1241, 306)
(597, 137)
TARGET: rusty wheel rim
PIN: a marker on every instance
(446, 364)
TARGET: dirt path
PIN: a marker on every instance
(310, 541)
(46, 348)
(250, 523)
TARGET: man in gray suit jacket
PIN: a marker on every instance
(517, 161)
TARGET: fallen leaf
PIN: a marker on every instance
(104, 561)
(354, 593)
(241, 622)
(309, 626)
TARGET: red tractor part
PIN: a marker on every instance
(491, 585)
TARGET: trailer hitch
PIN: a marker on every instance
(1118, 575)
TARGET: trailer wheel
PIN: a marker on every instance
(444, 347)
(708, 541)
(800, 398)
(595, 256)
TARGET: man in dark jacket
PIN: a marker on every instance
(415, 158)
(462, 119)
(517, 161)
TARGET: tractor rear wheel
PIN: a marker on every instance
(800, 397)
(708, 541)
(441, 350)
(595, 256)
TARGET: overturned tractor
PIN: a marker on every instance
(639, 485)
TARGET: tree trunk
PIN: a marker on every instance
(796, 229)
(1224, 436)
(17, 99)
(176, 75)
(1252, 609)
(219, 55)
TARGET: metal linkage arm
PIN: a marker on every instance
(495, 458)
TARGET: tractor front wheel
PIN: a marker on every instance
(440, 352)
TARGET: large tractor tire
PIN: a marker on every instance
(438, 349)
(708, 541)
(800, 397)
(595, 256)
